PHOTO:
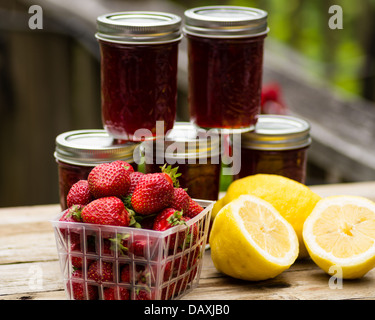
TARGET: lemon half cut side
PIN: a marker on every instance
(340, 233)
(250, 240)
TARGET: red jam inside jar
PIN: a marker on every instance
(225, 53)
(78, 151)
(278, 145)
(195, 153)
(139, 53)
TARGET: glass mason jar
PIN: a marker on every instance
(78, 151)
(225, 61)
(196, 153)
(139, 53)
(278, 145)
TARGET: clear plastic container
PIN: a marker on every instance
(131, 263)
(225, 52)
(78, 151)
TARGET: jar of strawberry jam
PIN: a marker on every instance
(139, 52)
(78, 151)
(196, 153)
(278, 145)
(225, 61)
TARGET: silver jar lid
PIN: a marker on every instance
(139, 27)
(274, 132)
(186, 141)
(91, 147)
(225, 21)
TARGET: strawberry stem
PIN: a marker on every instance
(172, 173)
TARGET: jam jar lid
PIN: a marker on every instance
(186, 141)
(139, 27)
(225, 21)
(278, 132)
(91, 147)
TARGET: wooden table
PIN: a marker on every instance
(29, 266)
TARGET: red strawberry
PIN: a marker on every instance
(79, 194)
(193, 234)
(103, 274)
(78, 288)
(193, 210)
(111, 293)
(168, 291)
(125, 274)
(73, 214)
(181, 200)
(124, 164)
(169, 218)
(145, 294)
(134, 179)
(152, 194)
(108, 179)
(106, 211)
(145, 274)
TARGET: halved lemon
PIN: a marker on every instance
(250, 240)
(340, 233)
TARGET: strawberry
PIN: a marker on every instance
(193, 210)
(181, 200)
(192, 235)
(106, 211)
(125, 274)
(111, 293)
(145, 274)
(108, 179)
(73, 214)
(103, 274)
(78, 288)
(153, 193)
(144, 294)
(168, 291)
(134, 179)
(124, 164)
(175, 267)
(79, 194)
(169, 218)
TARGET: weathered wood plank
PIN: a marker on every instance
(30, 277)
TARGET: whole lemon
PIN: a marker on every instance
(292, 199)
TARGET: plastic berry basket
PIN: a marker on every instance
(123, 263)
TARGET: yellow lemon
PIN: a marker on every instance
(340, 236)
(250, 240)
(293, 200)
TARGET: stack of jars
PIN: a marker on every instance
(139, 59)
